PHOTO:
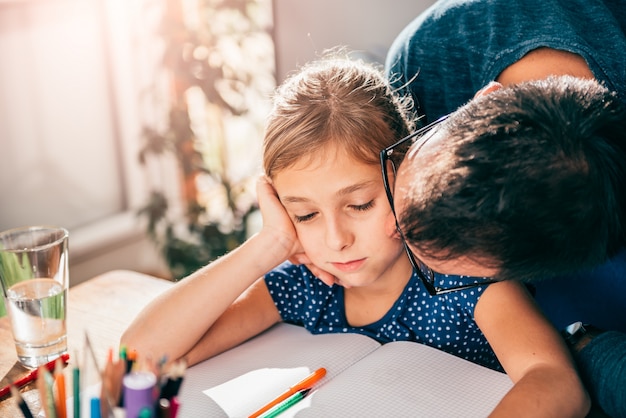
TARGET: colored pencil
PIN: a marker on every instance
(306, 383)
(20, 402)
(60, 398)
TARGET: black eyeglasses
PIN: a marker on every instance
(393, 156)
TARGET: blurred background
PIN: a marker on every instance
(137, 124)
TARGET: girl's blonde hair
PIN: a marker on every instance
(339, 101)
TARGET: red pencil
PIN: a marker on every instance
(32, 376)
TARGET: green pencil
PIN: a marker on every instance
(76, 390)
(286, 404)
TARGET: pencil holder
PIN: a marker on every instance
(138, 392)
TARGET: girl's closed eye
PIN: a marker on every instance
(304, 218)
(309, 216)
(363, 207)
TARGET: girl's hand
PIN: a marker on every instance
(301, 258)
(276, 221)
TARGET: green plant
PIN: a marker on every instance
(218, 60)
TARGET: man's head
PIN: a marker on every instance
(529, 180)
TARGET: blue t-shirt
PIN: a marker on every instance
(445, 321)
(456, 47)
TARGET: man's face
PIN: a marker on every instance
(411, 186)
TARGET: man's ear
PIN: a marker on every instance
(491, 87)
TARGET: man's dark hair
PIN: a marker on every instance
(531, 178)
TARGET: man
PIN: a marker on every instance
(446, 55)
(528, 179)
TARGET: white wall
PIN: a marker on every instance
(70, 126)
(305, 28)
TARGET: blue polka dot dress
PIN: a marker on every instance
(445, 321)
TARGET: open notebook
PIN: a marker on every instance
(364, 378)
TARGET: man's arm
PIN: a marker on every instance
(541, 63)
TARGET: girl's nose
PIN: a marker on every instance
(338, 235)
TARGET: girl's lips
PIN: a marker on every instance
(349, 266)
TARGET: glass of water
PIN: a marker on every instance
(34, 277)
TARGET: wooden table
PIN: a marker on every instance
(103, 307)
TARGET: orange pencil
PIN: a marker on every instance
(111, 388)
(59, 393)
(308, 381)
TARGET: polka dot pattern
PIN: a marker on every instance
(445, 321)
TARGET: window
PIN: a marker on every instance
(69, 124)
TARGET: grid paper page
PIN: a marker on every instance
(285, 353)
(405, 379)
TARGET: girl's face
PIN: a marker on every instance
(340, 211)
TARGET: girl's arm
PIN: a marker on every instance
(533, 354)
(252, 313)
(178, 319)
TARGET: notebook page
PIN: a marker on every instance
(239, 381)
(405, 379)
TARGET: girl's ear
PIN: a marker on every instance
(491, 87)
(390, 226)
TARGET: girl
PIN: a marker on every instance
(323, 196)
